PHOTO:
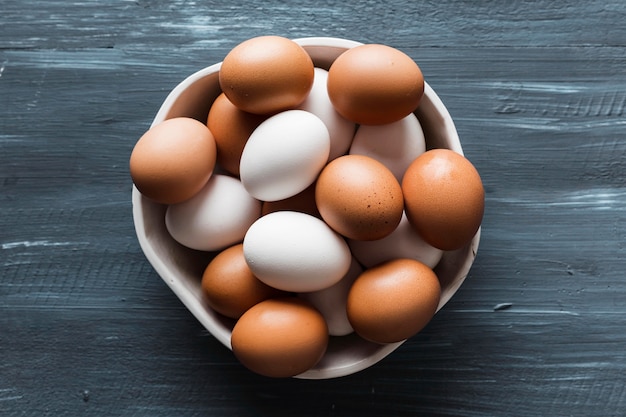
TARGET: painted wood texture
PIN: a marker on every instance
(538, 93)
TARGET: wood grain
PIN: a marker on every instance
(538, 93)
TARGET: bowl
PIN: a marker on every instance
(181, 268)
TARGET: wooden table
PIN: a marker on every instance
(538, 93)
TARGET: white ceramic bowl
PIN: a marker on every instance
(181, 268)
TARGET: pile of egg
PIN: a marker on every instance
(315, 190)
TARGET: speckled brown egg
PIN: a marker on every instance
(230, 286)
(444, 198)
(359, 197)
(231, 128)
(375, 84)
(393, 301)
(267, 74)
(173, 160)
(280, 337)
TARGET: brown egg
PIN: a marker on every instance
(444, 198)
(229, 285)
(280, 337)
(375, 84)
(303, 202)
(359, 197)
(231, 129)
(266, 74)
(173, 160)
(393, 301)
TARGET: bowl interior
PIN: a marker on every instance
(181, 268)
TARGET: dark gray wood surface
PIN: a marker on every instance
(538, 93)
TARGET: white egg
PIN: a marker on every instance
(403, 242)
(341, 130)
(216, 217)
(284, 155)
(331, 301)
(395, 145)
(295, 252)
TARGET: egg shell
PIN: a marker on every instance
(444, 198)
(284, 155)
(216, 217)
(393, 301)
(375, 84)
(280, 337)
(395, 144)
(403, 242)
(331, 301)
(173, 160)
(359, 197)
(266, 75)
(295, 252)
(341, 130)
(231, 128)
(229, 285)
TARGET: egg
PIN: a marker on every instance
(284, 155)
(280, 337)
(444, 198)
(173, 160)
(393, 301)
(341, 130)
(266, 75)
(331, 301)
(403, 242)
(216, 217)
(359, 197)
(395, 144)
(231, 128)
(230, 287)
(375, 84)
(295, 252)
